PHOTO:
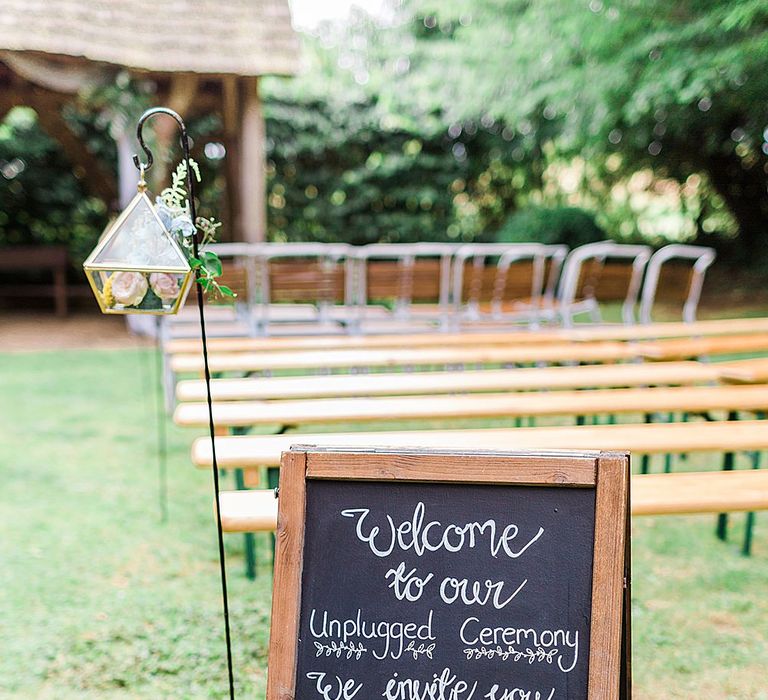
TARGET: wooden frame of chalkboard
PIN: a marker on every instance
(607, 473)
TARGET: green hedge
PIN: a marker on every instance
(352, 172)
(569, 225)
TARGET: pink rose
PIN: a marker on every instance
(128, 288)
(164, 285)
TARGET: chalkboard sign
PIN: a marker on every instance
(428, 575)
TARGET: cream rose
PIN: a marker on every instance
(128, 288)
(164, 285)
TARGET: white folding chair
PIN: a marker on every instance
(680, 281)
(603, 271)
(517, 285)
(299, 283)
(399, 285)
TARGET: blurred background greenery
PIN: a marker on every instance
(459, 121)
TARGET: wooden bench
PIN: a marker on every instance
(244, 453)
(446, 382)
(25, 259)
(683, 348)
(252, 451)
(588, 352)
(695, 399)
(530, 337)
(753, 371)
(651, 494)
(404, 357)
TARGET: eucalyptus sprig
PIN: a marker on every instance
(173, 210)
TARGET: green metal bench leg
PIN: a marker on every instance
(728, 460)
(685, 418)
(668, 456)
(645, 461)
(273, 481)
(249, 542)
(749, 526)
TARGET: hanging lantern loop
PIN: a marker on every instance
(142, 185)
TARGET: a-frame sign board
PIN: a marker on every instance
(457, 575)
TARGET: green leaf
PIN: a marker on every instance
(211, 262)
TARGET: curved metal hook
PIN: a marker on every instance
(143, 167)
(153, 111)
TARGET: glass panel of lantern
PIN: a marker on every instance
(138, 266)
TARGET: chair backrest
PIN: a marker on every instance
(501, 276)
(403, 275)
(603, 271)
(675, 275)
(312, 273)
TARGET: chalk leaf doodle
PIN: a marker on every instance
(529, 655)
(339, 649)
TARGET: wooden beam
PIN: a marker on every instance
(253, 186)
(231, 113)
(181, 96)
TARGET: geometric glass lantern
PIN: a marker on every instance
(138, 267)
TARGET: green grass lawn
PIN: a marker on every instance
(98, 599)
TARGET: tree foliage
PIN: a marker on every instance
(444, 121)
(347, 164)
(675, 86)
(42, 202)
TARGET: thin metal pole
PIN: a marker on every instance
(200, 305)
(162, 429)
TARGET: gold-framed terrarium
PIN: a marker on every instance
(138, 267)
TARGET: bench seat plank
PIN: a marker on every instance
(600, 351)
(683, 348)
(470, 338)
(651, 494)
(439, 382)
(752, 371)
(642, 438)
(509, 405)
(248, 511)
(699, 492)
(365, 342)
(404, 357)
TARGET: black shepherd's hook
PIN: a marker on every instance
(215, 468)
(143, 167)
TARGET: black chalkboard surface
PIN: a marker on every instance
(412, 586)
